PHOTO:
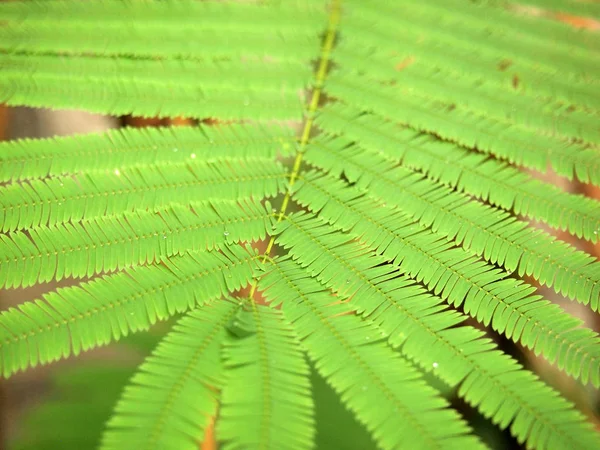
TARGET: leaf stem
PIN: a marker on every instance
(334, 19)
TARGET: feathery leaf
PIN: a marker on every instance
(113, 243)
(169, 401)
(385, 392)
(475, 173)
(119, 149)
(483, 230)
(59, 200)
(506, 304)
(77, 319)
(266, 402)
(426, 332)
(457, 123)
(169, 30)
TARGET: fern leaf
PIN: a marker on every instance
(77, 319)
(209, 77)
(170, 43)
(131, 96)
(157, 87)
(384, 392)
(482, 230)
(475, 173)
(118, 149)
(447, 51)
(266, 402)
(59, 200)
(291, 16)
(513, 143)
(165, 31)
(459, 356)
(540, 55)
(507, 304)
(200, 89)
(493, 77)
(113, 243)
(169, 401)
(489, 380)
(535, 117)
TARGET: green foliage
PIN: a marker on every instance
(277, 413)
(398, 132)
(180, 376)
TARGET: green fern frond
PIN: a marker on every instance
(159, 87)
(449, 51)
(164, 30)
(488, 379)
(542, 53)
(515, 144)
(535, 117)
(426, 333)
(208, 77)
(474, 173)
(201, 89)
(481, 229)
(175, 99)
(169, 401)
(25, 159)
(114, 40)
(276, 411)
(384, 392)
(113, 243)
(542, 38)
(77, 319)
(59, 200)
(506, 304)
(290, 16)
